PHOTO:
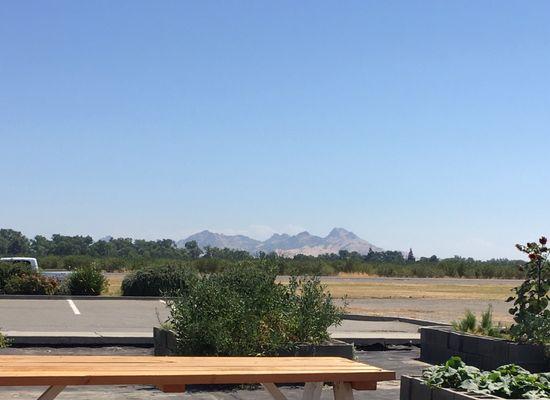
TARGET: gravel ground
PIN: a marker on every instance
(402, 360)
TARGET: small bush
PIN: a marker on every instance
(3, 341)
(7, 270)
(86, 281)
(466, 324)
(157, 281)
(485, 327)
(532, 298)
(31, 284)
(244, 311)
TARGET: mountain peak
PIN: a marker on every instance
(341, 233)
(301, 243)
(304, 233)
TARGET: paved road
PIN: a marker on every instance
(137, 317)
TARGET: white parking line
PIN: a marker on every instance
(73, 307)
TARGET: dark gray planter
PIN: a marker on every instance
(165, 345)
(487, 353)
(413, 388)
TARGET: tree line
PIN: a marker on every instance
(62, 251)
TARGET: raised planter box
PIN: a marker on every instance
(165, 345)
(413, 388)
(438, 344)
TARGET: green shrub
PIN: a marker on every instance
(8, 270)
(485, 327)
(466, 324)
(86, 281)
(532, 297)
(311, 310)
(243, 311)
(157, 281)
(3, 341)
(31, 284)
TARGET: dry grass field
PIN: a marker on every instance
(115, 281)
(362, 287)
(440, 299)
(393, 289)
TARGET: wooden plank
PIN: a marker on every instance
(312, 391)
(274, 391)
(342, 391)
(51, 392)
(112, 370)
(172, 388)
(204, 361)
(365, 385)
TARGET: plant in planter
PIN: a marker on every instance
(3, 341)
(531, 298)
(509, 381)
(485, 327)
(242, 310)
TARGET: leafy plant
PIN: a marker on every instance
(156, 281)
(509, 381)
(3, 341)
(486, 327)
(31, 284)
(466, 324)
(244, 311)
(531, 298)
(7, 270)
(312, 310)
(86, 281)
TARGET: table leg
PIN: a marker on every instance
(274, 391)
(51, 392)
(343, 391)
(312, 391)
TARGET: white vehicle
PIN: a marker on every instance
(33, 263)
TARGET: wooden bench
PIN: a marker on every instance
(171, 374)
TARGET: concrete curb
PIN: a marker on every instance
(79, 338)
(370, 339)
(380, 318)
(18, 338)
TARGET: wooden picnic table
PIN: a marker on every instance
(171, 374)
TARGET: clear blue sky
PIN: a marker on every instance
(420, 124)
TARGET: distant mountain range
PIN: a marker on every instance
(288, 245)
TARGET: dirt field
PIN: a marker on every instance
(459, 290)
(436, 299)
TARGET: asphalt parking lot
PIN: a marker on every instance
(46, 315)
(136, 318)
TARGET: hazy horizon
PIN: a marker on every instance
(263, 234)
(412, 124)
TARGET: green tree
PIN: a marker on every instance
(410, 256)
(41, 246)
(193, 249)
(13, 243)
